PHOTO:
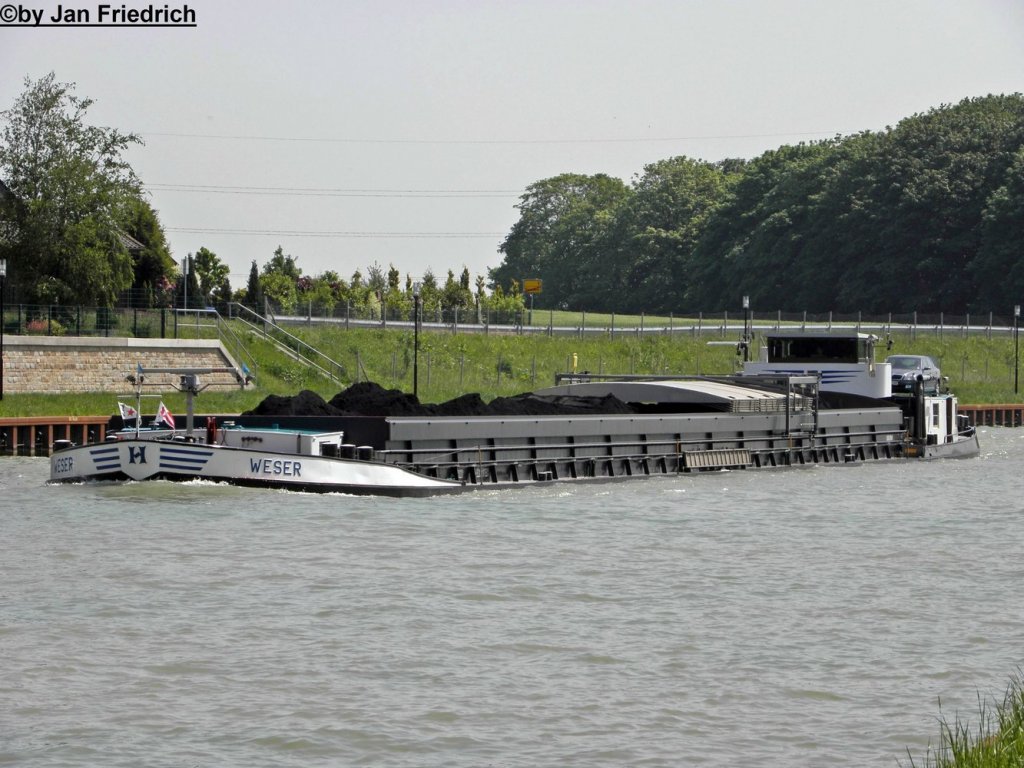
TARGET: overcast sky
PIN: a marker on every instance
(403, 133)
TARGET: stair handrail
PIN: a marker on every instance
(293, 345)
(236, 345)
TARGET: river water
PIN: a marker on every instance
(774, 618)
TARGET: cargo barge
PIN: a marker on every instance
(783, 411)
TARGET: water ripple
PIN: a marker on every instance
(773, 619)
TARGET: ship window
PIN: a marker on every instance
(816, 350)
(935, 414)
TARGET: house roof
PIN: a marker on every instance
(129, 242)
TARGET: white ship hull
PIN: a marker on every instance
(148, 459)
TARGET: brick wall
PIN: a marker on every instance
(81, 364)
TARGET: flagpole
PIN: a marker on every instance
(138, 401)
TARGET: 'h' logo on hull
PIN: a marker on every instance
(137, 454)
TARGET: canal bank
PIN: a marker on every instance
(1004, 415)
(35, 435)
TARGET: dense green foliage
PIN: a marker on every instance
(71, 195)
(153, 265)
(925, 216)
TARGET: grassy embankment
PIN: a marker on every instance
(995, 741)
(980, 369)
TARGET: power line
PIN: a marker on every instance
(631, 140)
(224, 189)
(337, 234)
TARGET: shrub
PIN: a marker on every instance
(41, 326)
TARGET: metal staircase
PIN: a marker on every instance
(289, 344)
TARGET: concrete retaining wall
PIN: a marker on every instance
(53, 364)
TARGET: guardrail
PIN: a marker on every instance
(288, 343)
(55, 320)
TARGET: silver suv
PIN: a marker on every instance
(907, 369)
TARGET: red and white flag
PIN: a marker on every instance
(162, 414)
(127, 412)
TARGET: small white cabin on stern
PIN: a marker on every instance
(844, 360)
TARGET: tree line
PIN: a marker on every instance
(281, 285)
(922, 216)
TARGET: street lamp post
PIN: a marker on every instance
(184, 274)
(747, 330)
(1016, 346)
(415, 339)
(3, 285)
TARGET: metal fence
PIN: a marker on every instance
(29, 319)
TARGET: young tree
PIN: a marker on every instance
(375, 277)
(253, 292)
(282, 264)
(455, 295)
(210, 271)
(279, 279)
(221, 295)
(430, 293)
(71, 191)
(316, 295)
